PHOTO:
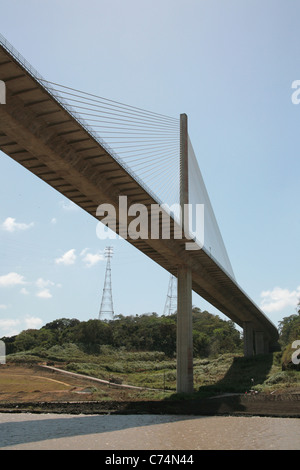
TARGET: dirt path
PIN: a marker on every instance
(94, 379)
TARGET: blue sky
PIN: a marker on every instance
(229, 65)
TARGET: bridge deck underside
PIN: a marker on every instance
(41, 135)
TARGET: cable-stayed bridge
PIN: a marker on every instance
(99, 152)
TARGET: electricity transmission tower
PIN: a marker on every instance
(107, 308)
(171, 301)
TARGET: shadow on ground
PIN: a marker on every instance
(243, 374)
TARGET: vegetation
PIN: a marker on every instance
(147, 332)
(289, 329)
(141, 351)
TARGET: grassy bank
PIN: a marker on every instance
(225, 373)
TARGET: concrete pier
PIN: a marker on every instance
(184, 281)
(259, 342)
(184, 331)
(248, 339)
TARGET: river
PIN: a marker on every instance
(146, 432)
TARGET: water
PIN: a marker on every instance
(147, 432)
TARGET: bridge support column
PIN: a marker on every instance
(248, 339)
(266, 345)
(259, 342)
(184, 281)
(184, 331)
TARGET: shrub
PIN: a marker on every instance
(280, 377)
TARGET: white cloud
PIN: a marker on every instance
(9, 327)
(24, 291)
(53, 221)
(67, 259)
(68, 206)
(43, 286)
(13, 326)
(33, 322)
(8, 322)
(3, 307)
(277, 299)
(11, 279)
(90, 259)
(44, 294)
(10, 225)
(42, 283)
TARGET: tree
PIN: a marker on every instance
(27, 339)
(147, 332)
(289, 329)
(61, 324)
(30, 339)
(92, 334)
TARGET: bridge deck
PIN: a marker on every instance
(45, 138)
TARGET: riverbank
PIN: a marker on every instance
(285, 406)
(37, 389)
